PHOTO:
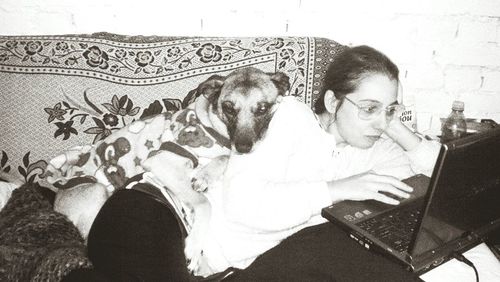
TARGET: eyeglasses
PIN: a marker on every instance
(370, 110)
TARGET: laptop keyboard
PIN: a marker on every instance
(395, 228)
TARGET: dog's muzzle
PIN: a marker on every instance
(244, 146)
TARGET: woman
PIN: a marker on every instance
(372, 151)
(353, 148)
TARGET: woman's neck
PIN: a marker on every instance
(327, 122)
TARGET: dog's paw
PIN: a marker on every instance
(202, 179)
(199, 183)
(209, 174)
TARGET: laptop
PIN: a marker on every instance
(452, 211)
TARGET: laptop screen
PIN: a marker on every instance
(464, 195)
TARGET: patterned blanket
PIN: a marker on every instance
(118, 157)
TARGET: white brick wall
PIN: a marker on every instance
(446, 49)
(491, 81)
(462, 79)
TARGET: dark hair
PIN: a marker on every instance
(349, 68)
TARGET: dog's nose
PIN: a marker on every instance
(243, 147)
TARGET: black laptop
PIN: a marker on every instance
(452, 211)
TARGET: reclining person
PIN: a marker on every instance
(352, 148)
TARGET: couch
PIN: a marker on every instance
(58, 92)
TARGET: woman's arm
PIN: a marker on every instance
(421, 153)
(274, 206)
(402, 135)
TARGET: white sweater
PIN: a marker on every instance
(280, 188)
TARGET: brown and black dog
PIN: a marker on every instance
(241, 105)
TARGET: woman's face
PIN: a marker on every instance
(376, 90)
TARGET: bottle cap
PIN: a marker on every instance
(457, 106)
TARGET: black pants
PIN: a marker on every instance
(135, 238)
(322, 253)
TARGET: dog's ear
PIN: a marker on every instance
(190, 98)
(211, 87)
(281, 81)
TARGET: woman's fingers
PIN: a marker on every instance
(392, 181)
(401, 185)
(388, 188)
(384, 199)
(391, 185)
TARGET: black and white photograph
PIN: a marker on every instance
(219, 140)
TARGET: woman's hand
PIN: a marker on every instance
(367, 186)
(402, 135)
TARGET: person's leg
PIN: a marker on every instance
(322, 253)
(136, 238)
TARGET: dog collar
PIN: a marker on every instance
(219, 138)
(201, 110)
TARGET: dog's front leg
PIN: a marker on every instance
(207, 175)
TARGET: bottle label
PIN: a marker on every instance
(452, 131)
(409, 118)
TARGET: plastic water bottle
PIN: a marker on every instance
(454, 126)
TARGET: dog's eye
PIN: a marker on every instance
(261, 109)
(228, 109)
